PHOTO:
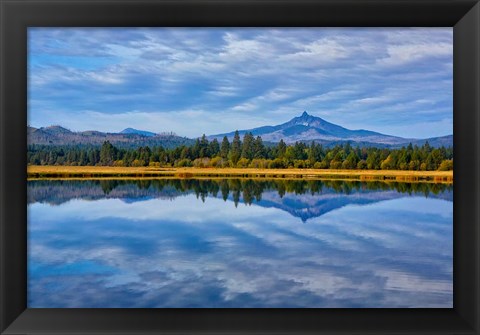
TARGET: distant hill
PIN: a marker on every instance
(446, 141)
(138, 132)
(308, 128)
(57, 135)
(304, 128)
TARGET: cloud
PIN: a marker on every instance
(245, 107)
(317, 53)
(239, 50)
(269, 73)
(406, 53)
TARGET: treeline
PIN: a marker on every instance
(249, 152)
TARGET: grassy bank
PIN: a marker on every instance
(75, 172)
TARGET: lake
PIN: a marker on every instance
(239, 243)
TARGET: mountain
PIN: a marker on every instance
(307, 206)
(138, 132)
(57, 130)
(308, 128)
(446, 141)
(303, 128)
(128, 138)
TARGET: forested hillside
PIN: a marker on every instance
(248, 152)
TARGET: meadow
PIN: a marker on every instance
(36, 172)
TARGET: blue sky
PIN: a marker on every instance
(213, 80)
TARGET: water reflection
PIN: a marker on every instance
(237, 243)
(304, 199)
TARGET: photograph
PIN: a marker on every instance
(234, 167)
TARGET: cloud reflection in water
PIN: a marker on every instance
(180, 251)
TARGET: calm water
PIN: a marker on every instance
(239, 243)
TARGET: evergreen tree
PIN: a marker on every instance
(351, 161)
(186, 153)
(214, 148)
(225, 148)
(247, 146)
(236, 148)
(196, 149)
(299, 150)
(280, 156)
(107, 154)
(314, 153)
(281, 149)
(203, 147)
(82, 158)
(258, 148)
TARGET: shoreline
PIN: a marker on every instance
(110, 172)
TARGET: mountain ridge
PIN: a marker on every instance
(304, 128)
(57, 135)
(138, 132)
(308, 128)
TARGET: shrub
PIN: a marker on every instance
(299, 164)
(387, 163)
(184, 162)
(243, 163)
(325, 164)
(258, 163)
(277, 163)
(414, 165)
(138, 162)
(201, 162)
(335, 164)
(446, 165)
(347, 165)
(217, 162)
(362, 165)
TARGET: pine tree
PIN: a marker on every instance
(107, 154)
(213, 148)
(258, 148)
(299, 151)
(281, 148)
(247, 147)
(203, 147)
(225, 148)
(236, 148)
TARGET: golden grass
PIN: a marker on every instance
(35, 172)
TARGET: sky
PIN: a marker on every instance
(397, 81)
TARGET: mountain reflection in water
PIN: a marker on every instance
(239, 243)
(304, 199)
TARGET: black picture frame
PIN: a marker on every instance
(17, 15)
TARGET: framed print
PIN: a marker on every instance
(194, 199)
(239, 167)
